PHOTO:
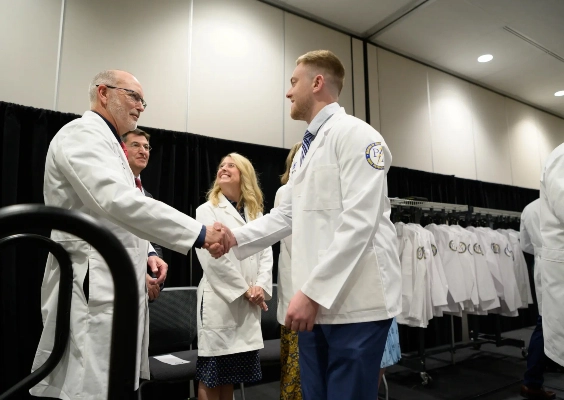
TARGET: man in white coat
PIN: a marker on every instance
(345, 260)
(531, 242)
(87, 170)
(551, 262)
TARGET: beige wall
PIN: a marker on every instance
(221, 68)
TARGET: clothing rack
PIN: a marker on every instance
(416, 360)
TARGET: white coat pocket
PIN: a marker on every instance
(217, 313)
(324, 191)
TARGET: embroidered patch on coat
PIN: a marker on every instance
(375, 155)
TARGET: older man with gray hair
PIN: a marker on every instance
(87, 170)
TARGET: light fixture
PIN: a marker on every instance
(485, 58)
(559, 93)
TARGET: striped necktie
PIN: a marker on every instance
(308, 138)
(138, 184)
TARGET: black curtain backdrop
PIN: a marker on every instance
(181, 168)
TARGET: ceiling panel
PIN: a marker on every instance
(441, 26)
(354, 16)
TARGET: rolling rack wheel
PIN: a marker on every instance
(426, 379)
(524, 352)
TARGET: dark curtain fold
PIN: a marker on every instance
(180, 171)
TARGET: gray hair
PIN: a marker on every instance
(107, 77)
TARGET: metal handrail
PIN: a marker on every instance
(23, 218)
(63, 309)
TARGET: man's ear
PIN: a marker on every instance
(318, 83)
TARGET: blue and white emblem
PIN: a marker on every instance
(375, 155)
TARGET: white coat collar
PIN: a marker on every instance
(226, 205)
(320, 138)
(109, 135)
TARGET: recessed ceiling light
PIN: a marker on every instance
(559, 93)
(485, 58)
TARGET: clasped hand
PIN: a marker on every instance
(219, 239)
(255, 295)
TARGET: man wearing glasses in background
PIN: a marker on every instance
(87, 170)
(138, 153)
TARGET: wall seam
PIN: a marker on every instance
(473, 133)
(189, 72)
(59, 56)
(430, 120)
(508, 139)
(283, 77)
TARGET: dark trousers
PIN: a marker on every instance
(342, 361)
(536, 359)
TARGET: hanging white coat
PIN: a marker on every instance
(86, 170)
(227, 322)
(552, 254)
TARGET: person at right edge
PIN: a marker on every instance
(530, 242)
(345, 261)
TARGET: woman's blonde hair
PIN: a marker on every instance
(286, 175)
(251, 195)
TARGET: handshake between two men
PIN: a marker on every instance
(219, 239)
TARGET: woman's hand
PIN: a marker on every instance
(255, 295)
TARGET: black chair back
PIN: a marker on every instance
(172, 321)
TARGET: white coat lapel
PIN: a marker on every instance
(225, 205)
(320, 138)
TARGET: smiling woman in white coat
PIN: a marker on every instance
(231, 294)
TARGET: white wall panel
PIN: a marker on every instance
(373, 86)
(237, 71)
(550, 134)
(302, 36)
(150, 41)
(29, 46)
(523, 138)
(451, 123)
(491, 138)
(404, 111)
(358, 79)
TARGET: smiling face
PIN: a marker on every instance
(137, 154)
(122, 105)
(228, 175)
(301, 93)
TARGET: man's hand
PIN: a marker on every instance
(219, 239)
(153, 289)
(301, 313)
(159, 268)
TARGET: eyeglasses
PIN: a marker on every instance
(136, 97)
(137, 146)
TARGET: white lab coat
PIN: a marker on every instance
(86, 170)
(520, 267)
(227, 322)
(447, 247)
(344, 246)
(285, 286)
(531, 242)
(552, 255)
(416, 296)
(438, 280)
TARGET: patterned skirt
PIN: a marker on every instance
(392, 352)
(229, 369)
(290, 388)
